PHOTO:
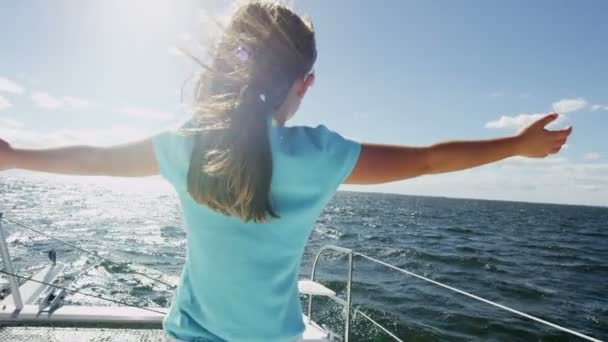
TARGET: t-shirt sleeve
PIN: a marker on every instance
(340, 155)
(172, 151)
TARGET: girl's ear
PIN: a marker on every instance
(305, 83)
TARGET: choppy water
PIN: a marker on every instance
(546, 260)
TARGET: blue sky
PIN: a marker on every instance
(399, 72)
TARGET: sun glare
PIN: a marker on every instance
(140, 16)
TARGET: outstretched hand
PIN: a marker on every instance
(5, 151)
(537, 142)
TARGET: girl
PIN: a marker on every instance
(251, 188)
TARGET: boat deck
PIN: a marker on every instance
(26, 332)
(63, 334)
(54, 334)
(75, 323)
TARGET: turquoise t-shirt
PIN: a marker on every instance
(240, 280)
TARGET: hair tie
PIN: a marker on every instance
(242, 54)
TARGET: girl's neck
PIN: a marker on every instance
(274, 121)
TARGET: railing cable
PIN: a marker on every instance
(500, 306)
(95, 254)
(81, 292)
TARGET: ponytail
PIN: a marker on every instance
(231, 173)
(264, 50)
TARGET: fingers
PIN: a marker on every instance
(561, 135)
(560, 140)
(547, 119)
(555, 149)
(564, 132)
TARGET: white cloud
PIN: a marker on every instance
(10, 123)
(497, 94)
(75, 102)
(4, 104)
(9, 86)
(185, 36)
(550, 180)
(146, 113)
(538, 162)
(569, 105)
(47, 101)
(597, 107)
(520, 121)
(590, 187)
(591, 156)
(516, 122)
(175, 51)
(13, 132)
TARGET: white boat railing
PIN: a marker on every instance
(50, 310)
(347, 304)
(8, 265)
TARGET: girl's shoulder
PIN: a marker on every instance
(320, 136)
(331, 155)
(173, 150)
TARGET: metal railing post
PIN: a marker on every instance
(8, 266)
(348, 301)
(349, 252)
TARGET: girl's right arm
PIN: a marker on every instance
(386, 163)
(135, 159)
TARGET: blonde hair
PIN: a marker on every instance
(264, 49)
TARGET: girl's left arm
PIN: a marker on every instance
(387, 163)
(135, 159)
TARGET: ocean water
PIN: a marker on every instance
(547, 260)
